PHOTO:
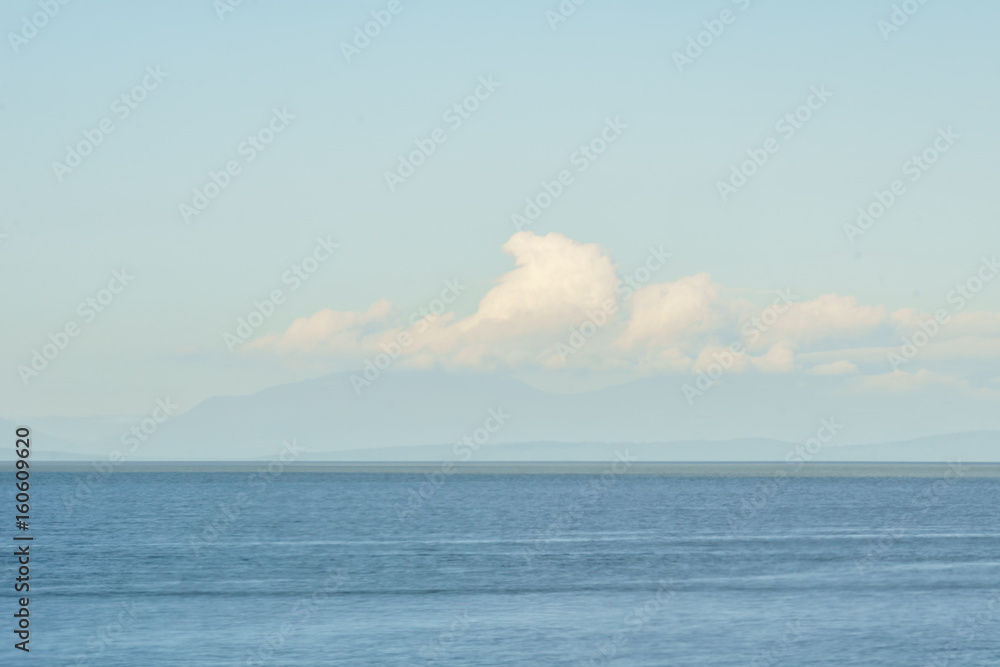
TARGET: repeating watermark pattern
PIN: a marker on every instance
(631, 282)
(899, 17)
(767, 489)
(131, 440)
(589, 494)
(106, 635)
(257, 484)
(914, 168)
(959, 297)
(455, 116)
(584, 156)
(434, 650)
(464, 450)
(562, 13)
(364, 34)
(920, 504)
(300, 614)
(751, 330)
(33, 23)
(295, 277)
(419, 321)
(778, 651)
(248, 150)
(88, 309)
(787, 126)
(634, 621)
(122, 107)
(714, 28)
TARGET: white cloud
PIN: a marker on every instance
(679, 326)
(331, 332)
(779, 359)
(827, 317)
(554, 281)
(674, 315)
(723, 356)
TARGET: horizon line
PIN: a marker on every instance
(919, 469)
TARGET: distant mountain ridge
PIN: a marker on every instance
(422, 414)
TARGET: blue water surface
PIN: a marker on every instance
(404, 569)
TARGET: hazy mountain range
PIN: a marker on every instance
(421, 415)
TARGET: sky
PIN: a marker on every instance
(236, 152)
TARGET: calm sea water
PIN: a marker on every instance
(331, 569)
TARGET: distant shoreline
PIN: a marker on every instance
(675, 469)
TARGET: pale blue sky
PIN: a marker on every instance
(324, 173)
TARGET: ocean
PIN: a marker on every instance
(259, 568)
